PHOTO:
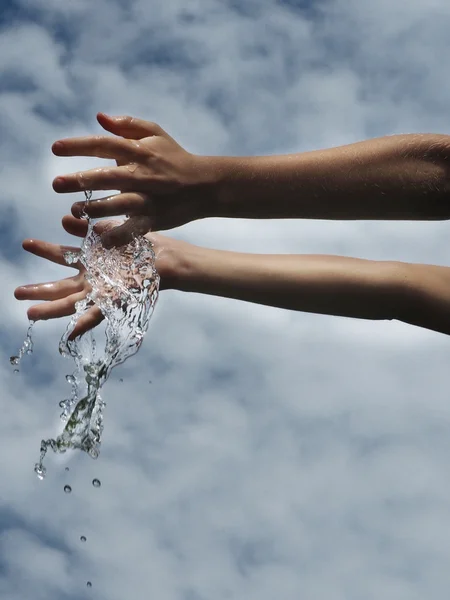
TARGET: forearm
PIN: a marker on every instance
(427, 297)
(393, 177)
(330, 285)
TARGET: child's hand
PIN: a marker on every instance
(162, 185)
(60, 296)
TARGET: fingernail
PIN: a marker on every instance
(78, 208)
(58, 182)
(58, 146)
(19, 291)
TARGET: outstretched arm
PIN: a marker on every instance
(416, 294)
(333, 285)
(393, 177)
(164, 186)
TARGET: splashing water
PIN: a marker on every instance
(124, 285)
(27, 348)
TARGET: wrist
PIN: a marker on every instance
(427, 297)
(189, 260)
(218, 175)
(176, 262)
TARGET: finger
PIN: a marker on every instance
(120, 204)
(100, 146)
(130, 127)
(54, 290)
(103, 178)
(91, 318)
(74, 226)
(52, 252)
(79, 227)
(133, 227)
(56, 308)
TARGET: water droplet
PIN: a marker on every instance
(93, 453)
(27, 346)
(150, 381)
(132, 166)
(89, 584)
(71, 257)
(67, 469)
(40, 471)
(83, 538)
(16, 371)
(67, 489)
(70, 379)
(96, 482)
(121, 380)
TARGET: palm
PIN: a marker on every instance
(59, 297)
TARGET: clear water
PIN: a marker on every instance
(124, 285)
(27, 348)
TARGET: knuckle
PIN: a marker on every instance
(154, 127)
(82, 180)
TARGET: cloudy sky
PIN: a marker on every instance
(249, 452)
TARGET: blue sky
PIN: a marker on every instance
(274, 454)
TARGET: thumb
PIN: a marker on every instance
(133, 227)
(130, 127)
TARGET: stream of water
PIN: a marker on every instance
(124, 286)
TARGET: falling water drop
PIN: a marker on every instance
(27, 347)
(93, 452)
(83, 538)
(16, 371)
(67, 489)
(89, 584)
(121, 380)
(67, 469)
(96, 483)
(40, 471)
